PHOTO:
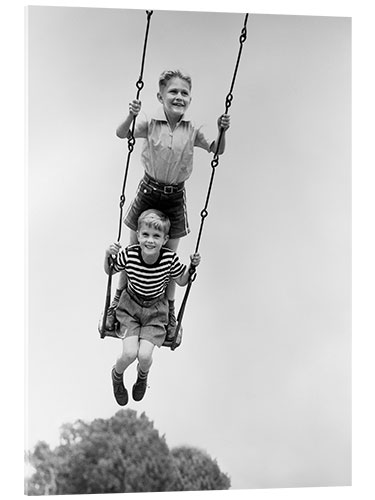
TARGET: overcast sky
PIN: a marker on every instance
(262, 380)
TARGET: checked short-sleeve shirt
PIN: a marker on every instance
(167, 154)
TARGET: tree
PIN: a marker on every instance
(121, 454)
(198, 471)
(45, 464)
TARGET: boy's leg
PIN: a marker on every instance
(111, 313)
(133, 237)
(130, 346)
(145, 351)
(170, 292)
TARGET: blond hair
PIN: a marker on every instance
(169, 74)
(155, 219)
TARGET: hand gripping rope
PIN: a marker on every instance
(131, 141)
(214, 164)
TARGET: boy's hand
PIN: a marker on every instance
(113, 249)
(195, 259)
(223, 122)
(135, 107)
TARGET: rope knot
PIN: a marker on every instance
(228, 101)
(215, 162)
(243, 35)
(140, 84)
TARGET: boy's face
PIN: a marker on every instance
(175, 97)
(151, 240)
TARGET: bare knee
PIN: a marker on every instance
(173, 243)
(144, 359)
(129, 355)
(133, 237)
(145, 355)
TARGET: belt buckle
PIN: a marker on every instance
(168, 189)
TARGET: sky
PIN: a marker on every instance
(262, 381)
(14, 213)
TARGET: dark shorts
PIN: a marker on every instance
(143, 321)
(171, 200)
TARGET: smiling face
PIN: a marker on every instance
(175, 97)
(150, 240)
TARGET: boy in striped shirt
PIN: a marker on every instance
(142, 310)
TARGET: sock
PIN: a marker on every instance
(117, 376)
(141, 374)
(171, 316)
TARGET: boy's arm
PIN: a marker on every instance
(184, 278)
(111, 250)
(123, 129)
(223, 124)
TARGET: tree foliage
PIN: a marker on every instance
(124, 453)
(198, 471)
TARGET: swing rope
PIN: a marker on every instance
(131, 142)
(214, 164)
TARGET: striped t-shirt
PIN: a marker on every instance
(148, 280)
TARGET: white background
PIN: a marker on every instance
(265, 363)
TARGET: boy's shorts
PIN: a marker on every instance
(171, 200)
(143, 321)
